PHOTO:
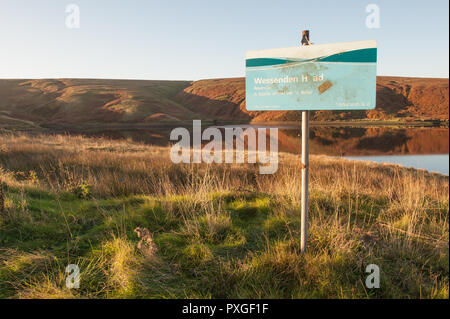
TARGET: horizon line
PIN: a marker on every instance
(184, 80)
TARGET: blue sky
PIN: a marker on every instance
(196, 39)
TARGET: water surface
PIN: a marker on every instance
(432, 163)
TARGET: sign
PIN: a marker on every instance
(338, 76)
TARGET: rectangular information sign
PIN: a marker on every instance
(337, 76)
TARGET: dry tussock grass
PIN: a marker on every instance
(224, 227)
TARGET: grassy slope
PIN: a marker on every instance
(26, 104)
(76, 101)
(219, 230)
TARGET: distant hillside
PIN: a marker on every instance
(34, 103)
(409, 98)
(76, 101)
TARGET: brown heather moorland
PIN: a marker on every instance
(47, 103)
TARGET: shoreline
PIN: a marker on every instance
(92, 127)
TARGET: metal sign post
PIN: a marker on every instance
(335, 76)
(305, 177)
(305, 166)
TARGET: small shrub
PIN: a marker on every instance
(33, 177)
(83, 191)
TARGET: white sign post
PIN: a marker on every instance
(305, 180)
(305, 167)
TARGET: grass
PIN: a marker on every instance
(215, 231)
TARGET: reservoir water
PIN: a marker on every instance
(432, 162)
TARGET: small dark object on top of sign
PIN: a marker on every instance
(305, 37)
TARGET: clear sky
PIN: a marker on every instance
(196, 39)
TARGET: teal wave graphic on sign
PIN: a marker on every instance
(362, 56)
(356, 56)
(267, 61)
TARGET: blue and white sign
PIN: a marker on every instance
(338, 76)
